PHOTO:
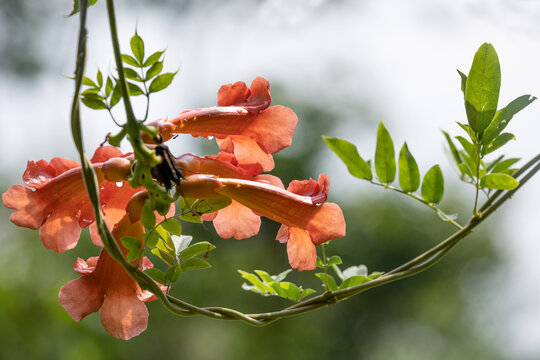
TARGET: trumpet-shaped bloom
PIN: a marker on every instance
(106, 286)
(243, 123)
(235, 220)
(307, 220)
(59, 205)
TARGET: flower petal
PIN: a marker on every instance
(123, 315)
(248, 152)
(61, 230)
(255, 99)
(81, 297)
(300, 249)
(237, 221)
(31, 211)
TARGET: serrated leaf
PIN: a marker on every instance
(499, 141)
(76, 6)
(196, 249)
(409, 176)
(130, 60)
(148, 218)
(161, 82)
(134, 90)
(505, 165)
(108, 86)
(152, 239)
(93, 102)
(157, 275)
(152, 59)
(503, 117)
(131, 243)
(137, 47)
(348, 153)
(433, 185)
(498, 181)
(195, 264)
(482, 88)
(173, 226)
(331, 282)
(154, 70)
(132, 74)
(385, 160)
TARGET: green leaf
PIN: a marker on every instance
(253, 279)
(148, 218)
(210, 205)
(196, 249)
(88, 82)
(137, 47)
(108, 86)
(152, 59)
(409, 176)
(195, 264)
(163, 255)
(306, 292)
(178, 270)
(503, 117)
(154, 70)
(482, 88)
(292, 290)
(433, 185)
(385, 161)
(157, 275)
(161, 82)
(334, 260)
(134, 90)
(279, 290)
(93, 102)
(131, 243)
(353, 281)
(116, 95)
(463, 81)
(466, 170)
(76, 6)
(92, 91)
(190, 217)
(130, 60)
(348, 153)
(499, 141)
(173, 226)
(279, 277)
(331, 282)
(469, 148)
(99, 77)
(505, 164)
(498, 181)
(133, 255)
(152, 239)
(453, 149)
(132, 74)
(264, 276)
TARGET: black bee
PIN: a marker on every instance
(167, 172)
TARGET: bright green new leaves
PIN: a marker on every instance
(100, 94)
(409, 176)
(482, 88)
(433, 185)
(137, 47)
(161, 82)
(348, 153)
(499, 181)
(385, 160)
(271, 285)
(77, 6)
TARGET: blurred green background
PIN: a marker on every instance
(439, 314)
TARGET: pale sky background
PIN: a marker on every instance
(397, 56)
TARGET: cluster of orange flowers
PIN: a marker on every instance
(248, 131)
